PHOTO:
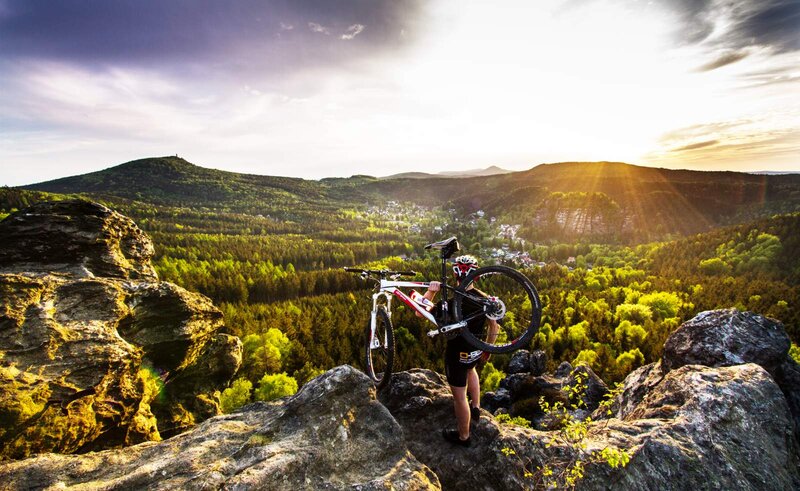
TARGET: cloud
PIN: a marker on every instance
(352, 32)
(231, 37)
(777, 75)
(770, 24)
(723, 60)
(741, 144)
(318, 28)
(696, 146)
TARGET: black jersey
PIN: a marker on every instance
(476, 325)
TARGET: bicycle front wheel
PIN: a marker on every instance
(380, 349)
(505, 296)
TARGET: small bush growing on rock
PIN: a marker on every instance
(508, 420)
(794, 352)
(490, 378)
(235, 396)
(272, 387)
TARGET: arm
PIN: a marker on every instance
(491, 337)
(430, 294)
(494, 329)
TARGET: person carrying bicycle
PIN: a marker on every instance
(460, 358)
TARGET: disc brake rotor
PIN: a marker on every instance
(496, 310)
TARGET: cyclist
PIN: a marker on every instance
(460, 358)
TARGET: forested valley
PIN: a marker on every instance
(609, 301)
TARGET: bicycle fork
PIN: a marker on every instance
(374, 342)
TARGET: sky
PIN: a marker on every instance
(324, 88)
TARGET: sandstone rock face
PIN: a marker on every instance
(332, 434)
(85, 351)
(77, 237)
(692, 427)
(703, 428)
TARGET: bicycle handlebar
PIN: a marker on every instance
(381, 272)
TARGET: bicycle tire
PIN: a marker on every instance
(515, 291)
(383, 354)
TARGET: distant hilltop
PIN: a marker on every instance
(489, 171)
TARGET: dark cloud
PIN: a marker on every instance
(697, 17)
(739, 24)
(256, 33)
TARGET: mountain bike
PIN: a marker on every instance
(498, 292)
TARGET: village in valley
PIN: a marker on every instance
(500, 242)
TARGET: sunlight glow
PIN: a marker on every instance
(514, 85)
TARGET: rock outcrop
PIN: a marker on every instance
(77, 237)
(89, 337)
(699, 428)
(332, 434)
(728, 425)
(722, 338)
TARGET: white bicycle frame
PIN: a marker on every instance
(389, 288)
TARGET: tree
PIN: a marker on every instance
(272, 387)
(235, 396)
(664, 305)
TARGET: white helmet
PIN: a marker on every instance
(464, 265)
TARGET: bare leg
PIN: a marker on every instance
(474, 387)
(462, 410)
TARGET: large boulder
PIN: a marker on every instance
(421, 403)
(720, 338)
(89, 361)
(702, 428)
(332, 434)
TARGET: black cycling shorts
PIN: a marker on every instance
(459, 358)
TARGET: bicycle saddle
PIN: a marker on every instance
(448, 246)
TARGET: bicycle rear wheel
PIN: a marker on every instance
(505, 295)
(380, 350)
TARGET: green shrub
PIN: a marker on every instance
(235, 396)
(794, 352)
(508, 420)
(490, 378)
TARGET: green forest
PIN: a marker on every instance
(276, 270)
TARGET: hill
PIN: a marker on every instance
(489, 171)
(596, 201)
(173, 181)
